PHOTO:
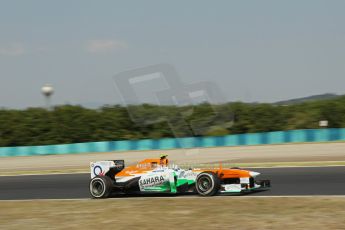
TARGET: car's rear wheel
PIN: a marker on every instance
(207, 184)
(101, 187)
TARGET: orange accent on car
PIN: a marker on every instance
(149, 164)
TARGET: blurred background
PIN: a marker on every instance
(279, 65)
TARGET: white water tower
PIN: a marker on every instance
(47, 91)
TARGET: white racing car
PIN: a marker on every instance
(156, 176)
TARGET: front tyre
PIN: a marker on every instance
(207, 184)
(101, 187)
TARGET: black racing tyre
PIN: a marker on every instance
(101, 186)
(207, 184)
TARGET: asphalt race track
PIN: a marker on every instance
(285, 181)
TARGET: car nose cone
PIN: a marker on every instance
(254, 174)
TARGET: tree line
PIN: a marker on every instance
(74, 124)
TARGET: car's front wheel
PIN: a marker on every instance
(207, 184)
(101, 187)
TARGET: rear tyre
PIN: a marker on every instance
(207, 184)
(101, 187)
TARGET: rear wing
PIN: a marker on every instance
(106, 168)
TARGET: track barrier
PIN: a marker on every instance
(277, 137)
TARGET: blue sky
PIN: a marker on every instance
(253, 50)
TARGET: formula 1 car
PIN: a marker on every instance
(157, 176)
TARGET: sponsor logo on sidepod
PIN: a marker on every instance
(152, 181)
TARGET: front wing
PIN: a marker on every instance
(261, 185)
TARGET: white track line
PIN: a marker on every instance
(182, 197)
(43, 174)
(294, 166)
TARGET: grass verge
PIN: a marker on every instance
(183, 213)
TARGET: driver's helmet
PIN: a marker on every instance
(163, 159)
